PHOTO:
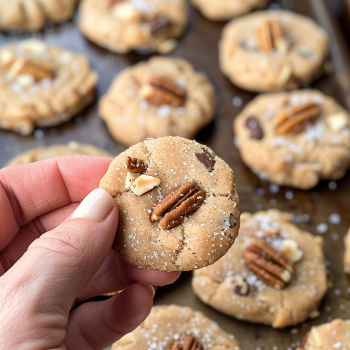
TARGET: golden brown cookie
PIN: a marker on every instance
(177, 202)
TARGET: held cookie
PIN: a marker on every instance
(334, 335)
(177, 202)
(125, 25)
(347, 253)
(42, 85)
(273, 51)
(220, 10)
(177, 328)
(32, 15)
(274, 274)
(161, 97)
(295, 139)
(42, 153)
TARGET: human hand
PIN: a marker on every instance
(54, 254)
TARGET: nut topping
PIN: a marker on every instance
(187, 343)
(160, 91)
(130, 179)
(206, 159)
(271, 266)
(145, 184)
(270, 36)
(176, 205)
(297, 117)
(112, 3)
(135, 165)
(292, 251)
(238, 285)
(158, 25)
(253, 125)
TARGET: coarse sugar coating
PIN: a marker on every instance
(161, 97)
(270, 51)
(274, 274)
(172, 325)
(294, 139)
(177, 202)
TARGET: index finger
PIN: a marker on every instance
(31, 190)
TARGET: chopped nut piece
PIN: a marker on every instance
(337, 122)
(187, 343)
(292, 251)
(130, 179)
(270, 36)
(178, 204)
(167, 46)
(206, 160)
(135, 165)
(253, 125)
(297, 117)
(285, 74)
(145, 184)
(271, 266)
(239, 285)
(159, 25)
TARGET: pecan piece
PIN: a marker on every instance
(161, 91)
(271, 266)
(253, 125)
(207, 160)
(187, 343)
(38, 69)
(135, 165)
(269, 35)
(177, 205)
(297, 117)
(112, 3)
(158, 25)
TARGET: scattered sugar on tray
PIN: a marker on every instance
(289, 195)
(39, 134)
(237, 101)
(334, 219)
(335, 236)
(321, 228)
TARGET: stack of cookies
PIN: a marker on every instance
(177, 199)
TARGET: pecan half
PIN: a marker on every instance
(160, 91)
(176, 205)
(270, 36)
(296, 118)
(271, 266)
(158, 25)
(187, 343)
(253, 125)
(38, 69)
(135, 165)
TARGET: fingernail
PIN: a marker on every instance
(96, 205)
(151, 288)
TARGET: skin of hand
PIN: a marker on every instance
(55, 252)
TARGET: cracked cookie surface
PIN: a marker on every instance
(42, 85)
(333, 335)
(202, 229)
(167, 326)
(226, 9)
(231, 286)
(125, 25)
(32, 15)
(42, 153)
(294, 139)
(273, 51)
(161, 97)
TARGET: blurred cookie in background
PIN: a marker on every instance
(347, 253)
(125, 25)
(42, 153)
(177, 328)
(161, 97)
(274, 274)
(221, 10)
(294, 139)
(32, 15)
(273, 51)
(42, 85)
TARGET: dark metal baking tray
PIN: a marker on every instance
(200, 46)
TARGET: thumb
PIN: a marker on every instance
(61, 262)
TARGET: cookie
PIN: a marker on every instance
(222, 10)
(177, 202)
(161, 97)
(42, 85)
(333, 335)
(274, 274)
(42, 153)
(32, 15)
(177, 328)
(294, 139)
(347, 253)
(273, 51)
(124, 25)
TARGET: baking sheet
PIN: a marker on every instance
(312, 208)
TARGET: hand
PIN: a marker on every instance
(54, 253)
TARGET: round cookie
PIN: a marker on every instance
(333, 335)
(161, 97)
(294, 139)
(174, 327)
(273, 51)
(177, 202)
(42, 153)
(125, 25)
(221, 10)
(273, 275)
(32, 15)
(42, 85)
(347, 253)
